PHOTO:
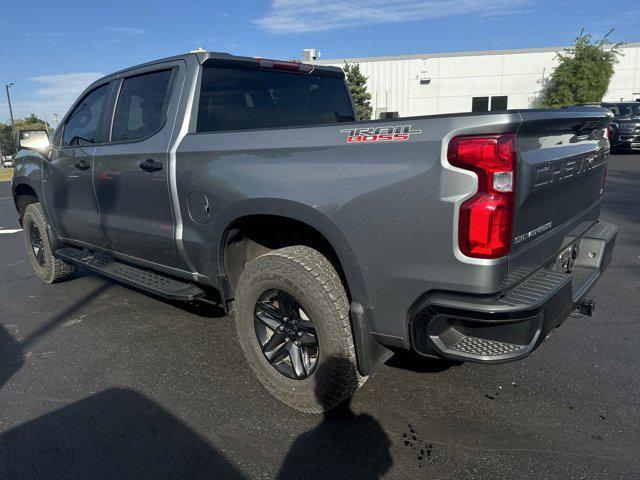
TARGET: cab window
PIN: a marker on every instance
(83, 125)
(142, 106)
(244, 99)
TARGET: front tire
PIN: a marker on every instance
(47, 267)
(300, 283)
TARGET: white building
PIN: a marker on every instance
(473, 81)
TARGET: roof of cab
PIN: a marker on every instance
(203, 56)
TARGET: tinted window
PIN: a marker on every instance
(236, 99)
(142, 106)
(480, 104)
(499, 103)
(83, 124)
(625, 109)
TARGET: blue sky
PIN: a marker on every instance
(52, 50)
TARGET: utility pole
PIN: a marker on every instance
(13, 123)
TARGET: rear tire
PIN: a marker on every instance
(313, 283)
(47, 267)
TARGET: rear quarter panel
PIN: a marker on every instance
(388, 208)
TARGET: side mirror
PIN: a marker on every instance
(33, 139)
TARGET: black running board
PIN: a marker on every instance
(146, 280)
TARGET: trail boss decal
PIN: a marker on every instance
(397, 133)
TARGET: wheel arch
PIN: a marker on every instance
(23, 195)
(25, 192)
(306, 226)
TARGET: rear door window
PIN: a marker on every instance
(83, 125)
(142, 106)
(243, 99)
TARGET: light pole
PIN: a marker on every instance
(13, 124)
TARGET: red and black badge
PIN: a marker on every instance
(397, 133)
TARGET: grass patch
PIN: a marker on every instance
(6, 174)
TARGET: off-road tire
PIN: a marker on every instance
(311, 278)
(54, 270)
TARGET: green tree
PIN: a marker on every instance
(358, 87)
(7, 140)
(583, 73)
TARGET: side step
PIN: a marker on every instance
(146, 280)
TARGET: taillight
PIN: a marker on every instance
(486, 219)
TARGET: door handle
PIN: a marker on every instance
(82, 165)
(150, 165)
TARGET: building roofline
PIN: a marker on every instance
(451, 54)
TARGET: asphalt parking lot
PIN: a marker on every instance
(101, 381)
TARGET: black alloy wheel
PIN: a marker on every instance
(35, 234)
(293, 321)
(37, 245)
(286, 334)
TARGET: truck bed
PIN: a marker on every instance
(391, 205)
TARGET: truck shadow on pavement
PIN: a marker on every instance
(120, 433)
(415, 363)
(344, 445)
(117, 433)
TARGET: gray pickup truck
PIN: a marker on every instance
(333, 241)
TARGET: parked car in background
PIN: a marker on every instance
(624, 130)
(7, 162)
(333, 241)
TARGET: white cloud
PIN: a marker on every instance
(54, 94)
(49, 37)
(304, 16)
(127, 30)
(64, 85)
(45, 34)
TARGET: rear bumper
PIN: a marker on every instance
(493, 329)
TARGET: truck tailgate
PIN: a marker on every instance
(562, 161)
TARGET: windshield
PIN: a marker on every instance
(625, 109)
